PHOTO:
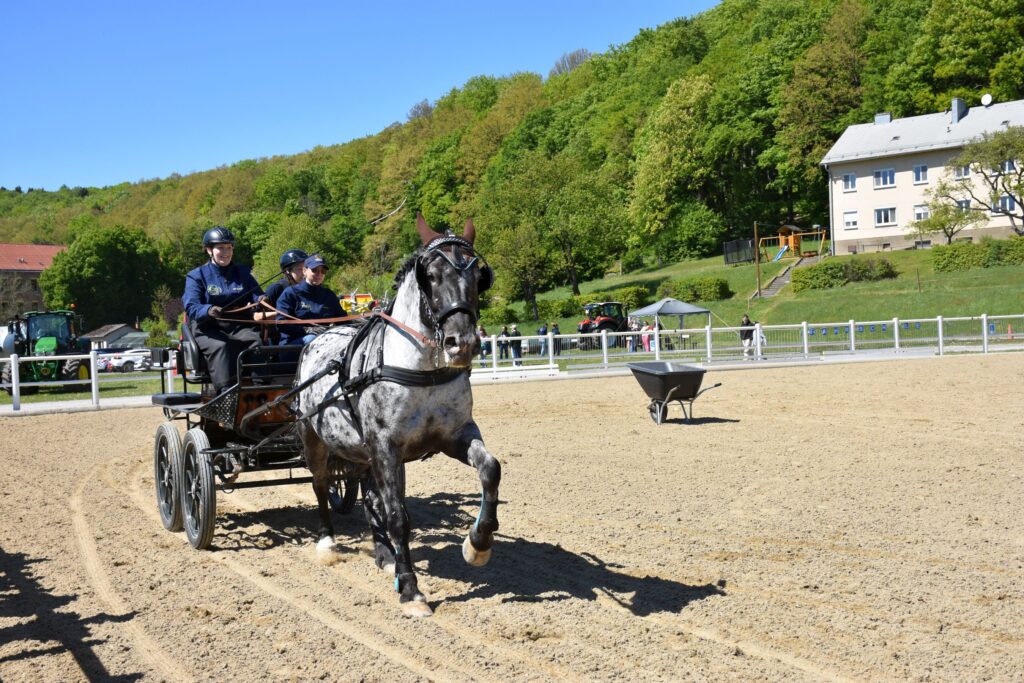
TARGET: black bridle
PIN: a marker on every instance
(462, 258)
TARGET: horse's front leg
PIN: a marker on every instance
(469, 448)
(389, 473)
(316, 456)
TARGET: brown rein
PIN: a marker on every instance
(292, 320)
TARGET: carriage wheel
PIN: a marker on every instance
(166, 473)
(198, 492)
(658, 411)
(343, 504)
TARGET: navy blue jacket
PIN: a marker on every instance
(306, 302)
(210, 285)
(275, 291)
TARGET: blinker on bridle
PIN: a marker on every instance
(459, 261)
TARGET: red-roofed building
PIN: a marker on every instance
(20, 266)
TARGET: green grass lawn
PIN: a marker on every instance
(144, 384)
(918, 292)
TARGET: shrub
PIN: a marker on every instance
(631, 297)
(1013, 252)
(497, 316)
(632, 260)
(691, 231)
(696, 289)
(833, 273)
(959, 256)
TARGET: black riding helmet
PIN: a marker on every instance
(217, 235)
(291, 257)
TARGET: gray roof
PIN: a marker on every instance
(923, 133)
(108, 332)
(668, 306)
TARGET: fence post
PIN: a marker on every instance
(896, 333)
(656, 340)
(15, 383)
(551, 349)
(807, 346)
(94, 376)
(494, 352)
(604, 347)
(938, 321)
(853, 334)
(757, 341)
(707, 334)
(984, 332)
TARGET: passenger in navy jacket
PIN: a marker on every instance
(308, 300)
(221, 335)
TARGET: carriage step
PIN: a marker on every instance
(176, 399)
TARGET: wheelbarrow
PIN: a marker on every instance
(664, 382)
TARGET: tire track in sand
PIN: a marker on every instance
(149, 650)
(349, 629)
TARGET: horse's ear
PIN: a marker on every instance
(426, 232)
(469, 232)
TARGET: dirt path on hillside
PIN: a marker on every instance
(855, 522)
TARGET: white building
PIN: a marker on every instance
(879, 173)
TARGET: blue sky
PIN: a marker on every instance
(99, 93)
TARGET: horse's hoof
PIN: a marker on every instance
(474, 557)
(326, 552)
(417, 607)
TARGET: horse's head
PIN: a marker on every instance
(451, 276)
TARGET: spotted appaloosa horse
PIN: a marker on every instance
(422, 404)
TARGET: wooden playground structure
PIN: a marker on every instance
(791, 242)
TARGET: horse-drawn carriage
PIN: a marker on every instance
(247, 428)
(359, 403)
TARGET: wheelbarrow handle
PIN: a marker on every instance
(713, 386)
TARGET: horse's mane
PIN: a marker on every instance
(409, 264)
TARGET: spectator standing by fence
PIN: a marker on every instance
(503, 343)
(557, 342)
(543, 332)
(485, 344)
(517, 346)
(747, 335)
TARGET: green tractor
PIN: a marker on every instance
(45, 333)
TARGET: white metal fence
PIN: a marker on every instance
(709, 345)
(536, 356)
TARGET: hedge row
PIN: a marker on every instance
(696, 289)
(832, 273)
(959, 256)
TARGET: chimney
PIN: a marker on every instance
(883, 117)
(958, 110)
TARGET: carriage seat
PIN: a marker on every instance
(192, 355)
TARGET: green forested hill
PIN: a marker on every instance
(660, 147)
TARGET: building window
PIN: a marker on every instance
(923, 244)
(885, 177)
(885, 216)
(920, 174)
(851, 250)
(849, 182)
(1006, 205)
(961, 172)
(921, 212)
(964, 204)
(1008, 166)
(850, 220)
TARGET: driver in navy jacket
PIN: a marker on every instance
(308, 300)
(221, 336)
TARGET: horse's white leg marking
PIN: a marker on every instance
(327, 551)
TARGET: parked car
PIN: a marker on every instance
(131, 360)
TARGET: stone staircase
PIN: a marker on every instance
(782, 279)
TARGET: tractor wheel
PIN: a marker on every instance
(5, 376)
(8, 377)
(198, 492)
(72, 370)
(167, 474)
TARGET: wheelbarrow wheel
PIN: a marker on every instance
(658, 411)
